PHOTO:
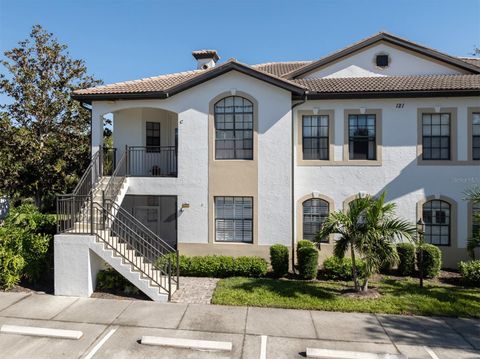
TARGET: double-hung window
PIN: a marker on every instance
(315, 139)
(234, 219)
(362, 134)
(233, 129)
(436, 129)
(476, 136)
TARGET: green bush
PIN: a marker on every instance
(406, 254)
(305, 243)
(308, 262)
(217, 266)
(335, 268)
(279, 259)
(470, 272)
(110, 280)
(26, 246)
(432, 260)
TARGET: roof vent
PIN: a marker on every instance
(206, 59)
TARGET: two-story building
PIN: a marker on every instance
(231, 158)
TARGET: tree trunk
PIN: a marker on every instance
(354, 269)
(365, 285)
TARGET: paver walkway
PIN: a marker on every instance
(288, 332)
(195, 290)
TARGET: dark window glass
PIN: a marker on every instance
(362, 137)
(153, 136)
(315, 212)
(234, 219)
(476, 136)
(436, 215)
(234, 129)
(315, 137)
(382, 60)
(436, 136)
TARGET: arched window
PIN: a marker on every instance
(437, 218)
(233, 129)
(315, 211)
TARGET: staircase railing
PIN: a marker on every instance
(116, 180)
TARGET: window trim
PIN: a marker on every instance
(299, 226)
(453, 136)
(378, 137)
(331, 138)
(453, 217)
(471, 111)
(215, 221)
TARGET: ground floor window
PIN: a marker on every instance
(234, 219)
(315, 211)
(436, 215)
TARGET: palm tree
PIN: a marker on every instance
(368, 228)
(473, 194)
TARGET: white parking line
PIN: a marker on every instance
(344, 354)
(41, 332)
(431, 353)
(99, 344)
(263, 347)
(187, 343)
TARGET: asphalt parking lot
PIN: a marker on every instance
(113, 328)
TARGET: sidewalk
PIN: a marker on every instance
(289, 331)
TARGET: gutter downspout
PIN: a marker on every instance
(294, 207)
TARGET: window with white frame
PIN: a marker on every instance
(476, 136)
(234, 219)
(362, 132)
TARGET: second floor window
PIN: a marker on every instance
(233, 129)
(153, 136)
(315, 137)
(436, 136)
(476, 136)
(362, 137)
(436, 215)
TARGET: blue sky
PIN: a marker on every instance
(121, 40)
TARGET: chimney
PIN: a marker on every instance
(206, 59)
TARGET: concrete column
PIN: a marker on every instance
(97, 130)
(76, 265)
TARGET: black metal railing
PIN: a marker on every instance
(152, 161)
(116, 180)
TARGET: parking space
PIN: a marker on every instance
(113, 328)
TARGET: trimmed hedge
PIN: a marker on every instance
(308, 262)
(406, 254)
(335, 268)
(470, 272)
(279, 260)
(218, 266)
(432, 260)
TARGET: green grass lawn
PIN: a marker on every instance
(398, 296)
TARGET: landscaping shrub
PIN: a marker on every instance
(406, 254)
(470, 272)
(432, 260)
(279, 260)
(26, 246)
(217, 266)
(304, 243)
(110, 280)
(335, 268)
(308, 262)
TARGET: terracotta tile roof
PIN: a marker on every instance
(391, 83)
(280, 68)
(471, 60)
(149, 84)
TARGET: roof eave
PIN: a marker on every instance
(392, 94)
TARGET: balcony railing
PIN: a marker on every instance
(151, 161)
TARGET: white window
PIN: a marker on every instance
(234, 219)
